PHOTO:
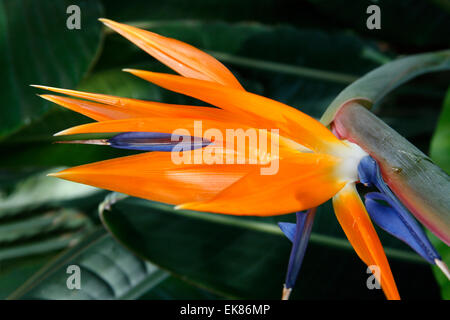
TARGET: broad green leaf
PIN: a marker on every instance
(247, 257)
(33, 224)
(107, 271)
(14, 273)
(38, 48)
(42, 245)
(39, 190)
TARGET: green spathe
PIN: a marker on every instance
(420, 185)
(372, 87)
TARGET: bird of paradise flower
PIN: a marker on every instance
(314, 164)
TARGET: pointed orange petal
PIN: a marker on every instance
(101, 98)
(303, 181)
(156, 124)
(183, 58)
(128, 108)
(96, 111)
(154, 176)
(268, 113)
(355, 222)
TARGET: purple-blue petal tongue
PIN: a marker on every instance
(401, 226)
(288, 229)
(156, 141)
(299, 234)
(394, 217)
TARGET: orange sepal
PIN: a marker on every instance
(96, 111)
(155, 124)
(183, 58)
(155, 176)
(269, 114)
(303, 181)
(112, 107)
(355, 222)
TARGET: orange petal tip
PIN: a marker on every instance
(129, 70)
(39, 86)
(61, 133)
(106, 22)
(189, 206)
(139, 73)
(46, 97)
(53, 174)
(63, 174)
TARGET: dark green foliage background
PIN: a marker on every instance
(302, 53)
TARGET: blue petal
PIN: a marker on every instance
(156, 141)
(299, 237)
(288, 229)
(394, 218)
(400, 224)
(367, 171)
